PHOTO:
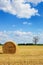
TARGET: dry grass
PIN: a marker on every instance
(25, 55)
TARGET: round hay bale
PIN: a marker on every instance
(9, 48)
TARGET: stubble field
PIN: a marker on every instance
(25, 55)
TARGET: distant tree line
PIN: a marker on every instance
(25, 43)
(1, 44)
(22, 44)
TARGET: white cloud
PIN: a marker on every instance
(27, 23)
(34, 1)
(18, 8)
(19, 36)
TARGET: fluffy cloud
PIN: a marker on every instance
(18, 8)
(19, 36)
(27, 23)
(34, 1)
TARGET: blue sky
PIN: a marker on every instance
(21, 20)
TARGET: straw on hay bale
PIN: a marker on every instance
(9, 48)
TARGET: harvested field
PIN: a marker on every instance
(25, 55)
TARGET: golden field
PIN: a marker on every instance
(25, 55)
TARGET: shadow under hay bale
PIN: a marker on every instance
(1, 53)
(9, 48)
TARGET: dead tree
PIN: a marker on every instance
(35, 39)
